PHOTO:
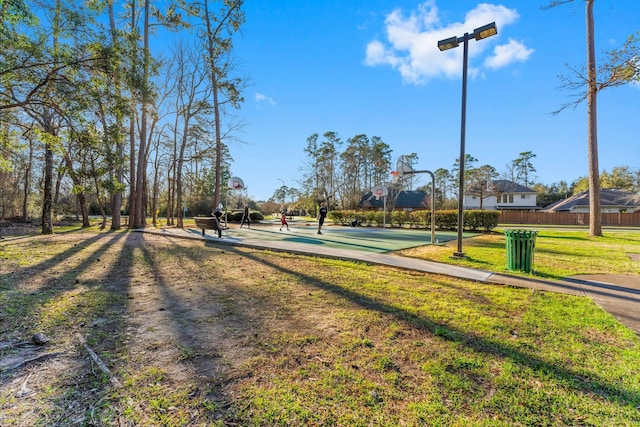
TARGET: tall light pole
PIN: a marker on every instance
(446, 44)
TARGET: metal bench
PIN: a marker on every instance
(208, 223)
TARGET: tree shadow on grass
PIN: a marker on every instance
(566, 237)
(601, 386)
(92, 307)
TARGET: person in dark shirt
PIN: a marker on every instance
(218, 215)
(322, 214)
(245, 217)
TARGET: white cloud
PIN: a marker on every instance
(411, 44)
(261, 98)
(507, 54)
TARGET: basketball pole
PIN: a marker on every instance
(405, 169)
(234, 183)
(381, 191)
(433, 196)
(384, 209)
(384, 212)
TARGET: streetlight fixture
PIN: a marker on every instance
(450, 43)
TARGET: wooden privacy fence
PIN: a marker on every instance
(568, 218)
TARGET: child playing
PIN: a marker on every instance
(283, 220)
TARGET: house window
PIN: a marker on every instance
(504, 198)
(523, 196)
(510, 198)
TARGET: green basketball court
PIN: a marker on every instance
(369, 239)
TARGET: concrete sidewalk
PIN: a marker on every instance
(617, 294)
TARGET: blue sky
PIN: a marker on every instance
(373, 67)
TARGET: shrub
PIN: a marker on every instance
(237, 216)
(444, 219)
(421, 218)
(375, 217)
(335, 216)
(346, 217)
(234, 216)
(485, 220)
(400, 217)
(447, 220)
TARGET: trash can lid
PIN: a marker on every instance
(520, 233)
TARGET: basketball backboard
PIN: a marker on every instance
(380, 191)
(235, 183)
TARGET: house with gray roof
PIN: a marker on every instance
(611, 201)
(500, 194)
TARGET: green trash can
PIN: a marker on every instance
(520, 248)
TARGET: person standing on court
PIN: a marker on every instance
(322, 214)
(245, 217)
(283, 220)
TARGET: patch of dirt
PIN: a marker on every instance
(172, 306)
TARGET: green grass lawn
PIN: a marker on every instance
(415, 350)
(557, 254)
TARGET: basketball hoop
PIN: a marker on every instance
(380, 191)
(235, 183)
(395, 176)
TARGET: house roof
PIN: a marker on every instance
(406, 199)
(506, 186)
(609, 198)
(502, 186)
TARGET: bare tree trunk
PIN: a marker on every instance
(82, 202)
(171, 174)
(132, 166)
(145, 195)
(139, 221)
(170, 211)
(155, 185)
(100, 198)
(215, 86)
(116, 199)
(216, 107)
(47, 208)
(56, 193)
(595, 216)
(179, 202)
(81, 197)
(132, 133)
(27, 183)
(47, 216)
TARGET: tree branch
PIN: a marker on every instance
(99, 362)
